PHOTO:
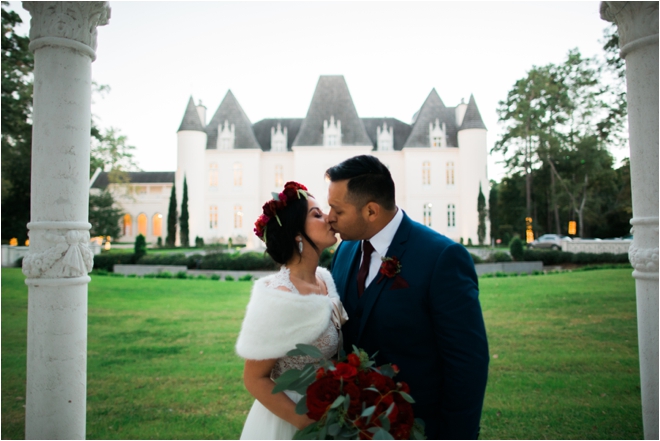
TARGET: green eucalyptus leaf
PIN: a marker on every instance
(309, 432)
(302, 349)
(301, 407)
(284, 381)
(368, 411)
(372, 389)
(389, 410)
(382, 434)
(333, 429)
(387, 370)
(347, 403)
(323, 433)
(384, 422)
(276, 196)
(338, 401)
(406, 397)
(278, 219)
(373, 429)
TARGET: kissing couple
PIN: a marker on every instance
(425, 317)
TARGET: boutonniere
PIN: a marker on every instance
(390, 268)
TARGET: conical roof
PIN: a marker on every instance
(432, 109)
(332, 98)
(232, 112)
(191, 119)
(472, 118)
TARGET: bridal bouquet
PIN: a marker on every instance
(351, 399)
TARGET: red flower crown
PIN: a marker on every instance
(291, 189)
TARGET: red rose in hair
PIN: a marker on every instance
(321, 394)
(353, 360)
(345, 371)
(295, 186)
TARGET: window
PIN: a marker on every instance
(213, 217)
(156, 189)
(279, 176)
(331, 132)
(238, 175)
(437, 141)
(238, 216)
(226, 136)
(157, 225)
(426, 173)
(450, 173)
(427, 214)
(127, 227)
(451, 215)
(332, 139)
(142, 224)
(213, 174)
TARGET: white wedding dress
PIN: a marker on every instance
(261, 423)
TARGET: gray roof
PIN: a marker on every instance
(191, 119)
(262, 130)
(432, 109)
(229, 110)
(401, 130)
(332, 98)
(161, 177)
(472, 118)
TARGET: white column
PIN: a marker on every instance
(63, 39)
(637, 23)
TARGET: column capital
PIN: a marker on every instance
(635, 20)
(75, 21)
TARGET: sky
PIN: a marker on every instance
(155, 55)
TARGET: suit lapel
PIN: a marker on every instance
(396, 249)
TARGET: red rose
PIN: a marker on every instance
(390, 267)
(381, 382)
(320, 395)
(345, 371)
(353, 391)
(401, 431)
(283, 197)
(353, 360)
(320, 373)
(395, 368)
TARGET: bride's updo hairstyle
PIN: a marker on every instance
(283, 219)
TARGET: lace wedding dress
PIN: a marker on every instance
(261, 423)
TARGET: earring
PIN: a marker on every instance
(300, 245)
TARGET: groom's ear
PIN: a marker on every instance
(371, 211)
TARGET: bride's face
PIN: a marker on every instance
(317, 226)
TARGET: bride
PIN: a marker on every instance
(299, 304)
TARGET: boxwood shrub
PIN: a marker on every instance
(552, 257)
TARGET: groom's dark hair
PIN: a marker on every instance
(369, 180)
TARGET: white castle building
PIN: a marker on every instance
(231, 166)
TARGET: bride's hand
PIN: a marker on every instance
(303, 421)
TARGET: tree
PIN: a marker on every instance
(111, 152)
(104, 215)
(17, 66)
(481, 209)
(171, 219)
(140, 248)
(493, 212)
(185, 231)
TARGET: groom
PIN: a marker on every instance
(424, 315)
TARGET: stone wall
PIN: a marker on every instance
(596, 246)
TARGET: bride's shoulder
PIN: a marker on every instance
(280, 281)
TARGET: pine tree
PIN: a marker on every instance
(481, 208)
(185, 230)
(492, 211)
(171, 219)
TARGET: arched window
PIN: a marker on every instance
(426, 173)
(157, 225)
(238, 216)
(450, 173)
(279, 176)
(238, 174)
(213, 174)
(213, 217)
(451, 215)
(127, 225)
(142, 224)
(427, 214)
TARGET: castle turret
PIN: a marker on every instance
(191, 148)
(473, 153)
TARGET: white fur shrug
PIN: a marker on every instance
(275, 321)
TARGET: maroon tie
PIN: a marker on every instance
(367, 249)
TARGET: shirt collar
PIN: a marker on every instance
(381, 241)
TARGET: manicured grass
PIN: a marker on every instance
(161, 363)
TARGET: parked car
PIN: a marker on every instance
(551, 241)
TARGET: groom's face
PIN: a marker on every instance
(344, 217)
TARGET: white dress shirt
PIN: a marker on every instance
(381, 242)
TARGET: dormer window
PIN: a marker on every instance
(438, 134)
(385, 138)
(226, 136)
(332, 133)
(278, 139)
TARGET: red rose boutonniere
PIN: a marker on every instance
(390, 268)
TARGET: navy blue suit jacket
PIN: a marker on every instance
(433, 329)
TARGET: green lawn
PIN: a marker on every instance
(161, 362)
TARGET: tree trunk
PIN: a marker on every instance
(554, 203)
